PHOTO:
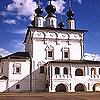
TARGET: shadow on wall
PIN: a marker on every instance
(35, 83)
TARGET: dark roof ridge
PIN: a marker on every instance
(76, 61)
(51, 28)
(17, 55)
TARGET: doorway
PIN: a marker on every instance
(80, 88)
(61, 88)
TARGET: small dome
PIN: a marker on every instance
(39, 11)
(70, 13)
(50, 9)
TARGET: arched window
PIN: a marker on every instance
(99, 71)
(93, 71)
(16, 68)
(65, 53)
(57, 70)
(39, 22)
(18, 86)
(52, 23)
(80, 87)
(41, 69)
(79, 72)
(49, 52)
(65, 70)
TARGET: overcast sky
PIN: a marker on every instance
(16, 15)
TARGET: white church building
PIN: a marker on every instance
(53, 58)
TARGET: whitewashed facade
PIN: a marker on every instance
(70, 80)
(53, 59)
(15, 73)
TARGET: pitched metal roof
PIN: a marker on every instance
(76, 61)
(59, 29)
(17, 55)
(3, 78)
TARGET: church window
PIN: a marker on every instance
(49, 52)
(65, 70)
(16, 68)
(79, 72)
(57, 70)
(52, 23)
(70, 86)
(93, 71)
(99, 71)
(65, 53)
(41, 69)
(40, 22)
(18, 86)
(88, 86)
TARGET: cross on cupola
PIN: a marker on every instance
(50, 9)
(38, 19)
(38, 10)
(70, 15)
(51, 17)
(50, 1)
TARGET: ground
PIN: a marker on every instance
(50, 96)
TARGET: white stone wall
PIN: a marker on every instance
(58, 41)
(39, 40)
(22, 78)
(3, 85)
